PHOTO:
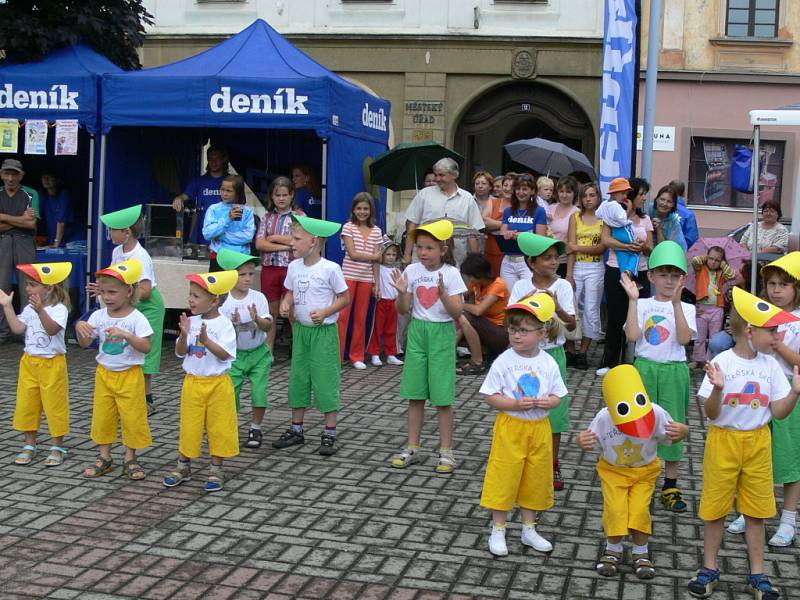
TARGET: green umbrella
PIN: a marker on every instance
(403, 167)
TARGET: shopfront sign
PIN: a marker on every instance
(663, 138)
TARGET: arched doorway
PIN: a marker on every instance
(518, 111)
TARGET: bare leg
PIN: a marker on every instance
(216, 460)
(528, 515)
(274, 307)
(298, 414)
(330, 418)
(585, 343)
(754, 534)
(499, 518)
(556, 445)
(148, 384)
(30, 438)
(473, 341)
(791, 494)
(445, 426)
(712, 540)
(416, 412)
(671, 469)
(639, 538)
(258, 415)
(614, 539)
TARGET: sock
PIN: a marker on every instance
(331, 431)
(498, 526)
(614, 547)
(443, 450)
(297, 427)
(669, 483)
(149, 398)
(528, 524)
(255, 426)
(639, 549)
(789, 518)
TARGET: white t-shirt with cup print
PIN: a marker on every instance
(248, 334)
(198, 360)
(659, 340)
(37, 340)
(423, 285)
(115, 353)
(563, 292)
(314, 287)
(625, 450)
(750, 385)
(516, 376)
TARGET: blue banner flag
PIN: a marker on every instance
(619, 79)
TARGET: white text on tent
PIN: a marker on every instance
(282, 102)
(58, 98)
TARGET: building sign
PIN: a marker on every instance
(424, 113)
(663, 138)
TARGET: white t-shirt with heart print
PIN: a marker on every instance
(423, 285)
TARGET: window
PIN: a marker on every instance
(752, 18)
(710, 172)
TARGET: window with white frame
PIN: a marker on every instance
(711, 167)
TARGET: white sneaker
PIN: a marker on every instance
(534, 540)
(737, 526)
(784, 537)
(376, 361)
(462, 352)
(497, 541)
(602, 371)
(393, 360)
(359, 365)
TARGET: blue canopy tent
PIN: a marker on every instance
(63, 85)
(255, 80)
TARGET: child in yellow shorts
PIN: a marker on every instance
(43, 381)
(744, 388)
(119, 390)
(628, 432)
(524, 384)
(207, 345)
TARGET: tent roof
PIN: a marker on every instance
(280, 87)
(77, 67)
(785, 115)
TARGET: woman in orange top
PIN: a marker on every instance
(493, 219)
(483, 320)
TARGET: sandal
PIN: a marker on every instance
(471, 368)
(182, 473)
(133, 470)
(215, 479)
(56, 456)
(407, 456)
(447, 462)
(26, 456)
(100, 467)
(607, 565)
(643, 567)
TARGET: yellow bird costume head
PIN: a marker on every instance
(758, 312)
(217, 283)
(628, 402)
(128, 271)
(47, 273)
(539, 305)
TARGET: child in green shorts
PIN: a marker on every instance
(248, 310)
(125, 227)
(662, 326)
(432, 290)
(316, 292)
(543, 253)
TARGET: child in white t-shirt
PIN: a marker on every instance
(662, 326)
(207, 345)
(524, 384)
(248, 310)
(432, 291)
(43, 379)
(543, 256)
(385, 327)
(316, 292)
(119, 390)
(628, 432)
(744, 389)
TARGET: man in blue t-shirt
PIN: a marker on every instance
(201, 192)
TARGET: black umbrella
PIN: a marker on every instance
(403, 167)
(551, 158)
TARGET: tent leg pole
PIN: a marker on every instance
(324, 184)
(101, 201)
(89, 221)
(756, 172)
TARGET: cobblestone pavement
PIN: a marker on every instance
(292, 524)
